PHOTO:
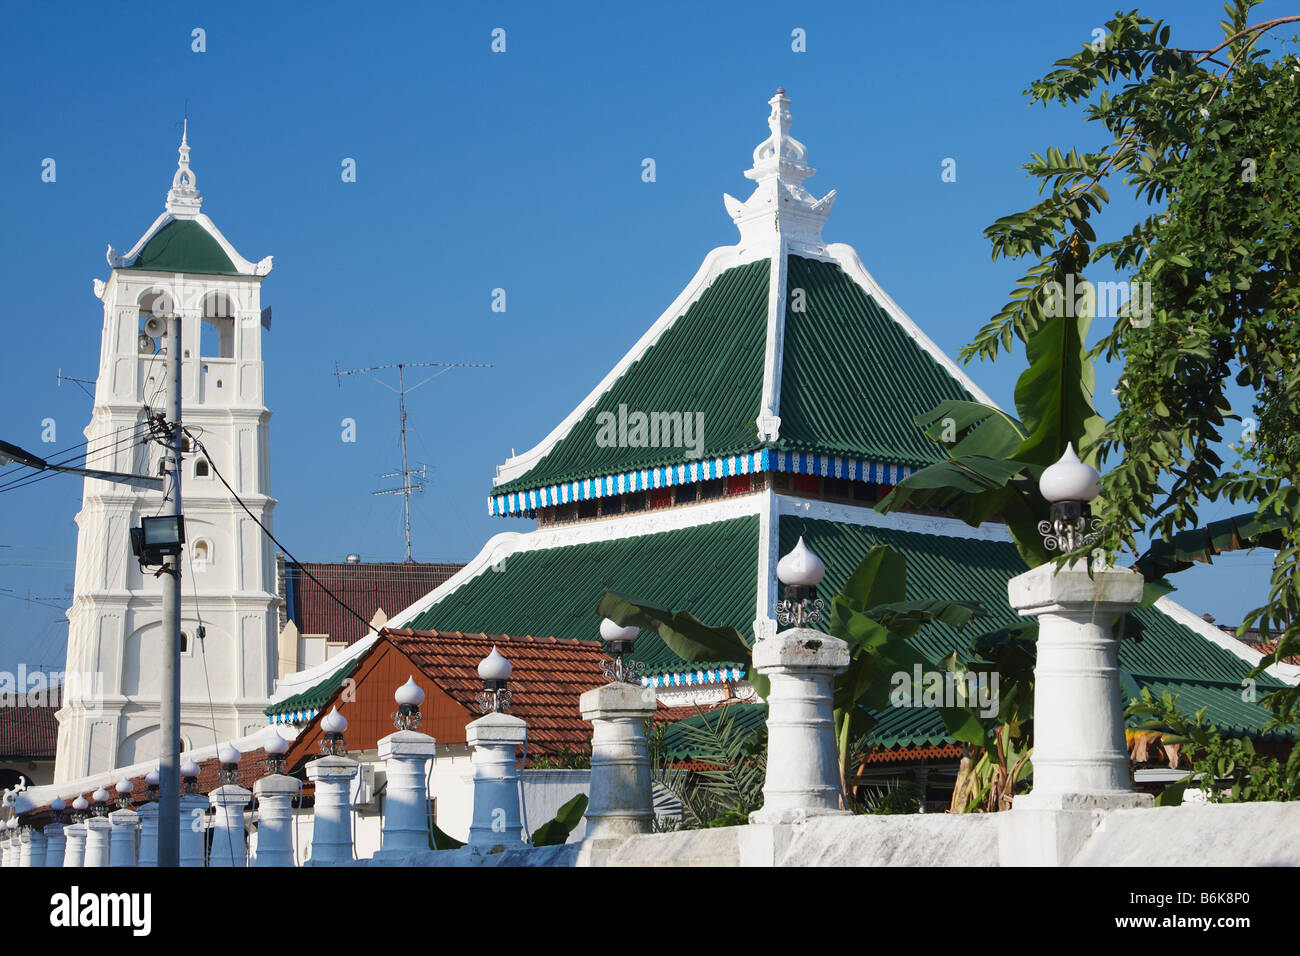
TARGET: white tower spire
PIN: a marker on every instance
(183, 199)
(780, 206)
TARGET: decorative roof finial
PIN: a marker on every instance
(780, 167)
(183, 199)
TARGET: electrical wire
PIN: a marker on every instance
(23, 481)
(276, 541)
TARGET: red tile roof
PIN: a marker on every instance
(365, 588)
(28, 728)
(548, 676)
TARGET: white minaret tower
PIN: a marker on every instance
(110, 714)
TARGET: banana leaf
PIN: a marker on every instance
(555, 831)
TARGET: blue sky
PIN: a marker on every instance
(475, 171)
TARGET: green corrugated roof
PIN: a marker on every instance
(183, 245)
(315, 696)
(852, 379)
(710, 360)
(709, 570)
(1169, 656)
(746, 718)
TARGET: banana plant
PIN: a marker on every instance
(994, 461)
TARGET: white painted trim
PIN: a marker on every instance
(848, 259)
(1287, 673)
(715, 263)
(895, 521)
(299, 681)
(769, 411)
(769, 553)
(499, 548)
(69, 790)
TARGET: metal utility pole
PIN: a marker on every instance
(406, 473)
(169, 777)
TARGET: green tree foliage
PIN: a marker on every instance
(1226, 769)
(729, 785)
(1209, 140)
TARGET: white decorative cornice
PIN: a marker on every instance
(184, 199)
(780, 205)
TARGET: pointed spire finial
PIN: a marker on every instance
(780, 167)
(184, 199)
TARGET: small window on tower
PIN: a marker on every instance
(201, 468)
(185, 642)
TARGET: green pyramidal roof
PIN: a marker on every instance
(852, 380)
(183, 245)
(710, 361)
(710, 570)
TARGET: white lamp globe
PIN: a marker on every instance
(12, 823)
(800, 568)
(57, 805)
(151, 778)
(494, 666)
(228, 754)
(100, 795)
(124, 787)
(409, 694)
(1070, 479)
(81, 803)
(276, 746)
(334, 722)
(189, 769)
(611, 631)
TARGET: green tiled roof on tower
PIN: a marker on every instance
(183, 245)
(852, 379)
(710, 360)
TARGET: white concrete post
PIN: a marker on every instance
(275, 794)
(39, 848)
(6, 854)
(331, 836)
(494, 738)
(98, 832)
(148, 814)
(55, 844)
(228, 848)
(1080, 759)
(803, 776)
(406, 805)
(126, 826)
(620, 801)
(194, 807)
(74, 849)
(1081, 765)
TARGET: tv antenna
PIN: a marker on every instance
(406, 473)
(81, 382)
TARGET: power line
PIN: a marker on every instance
(276, 541)
(22, 481)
